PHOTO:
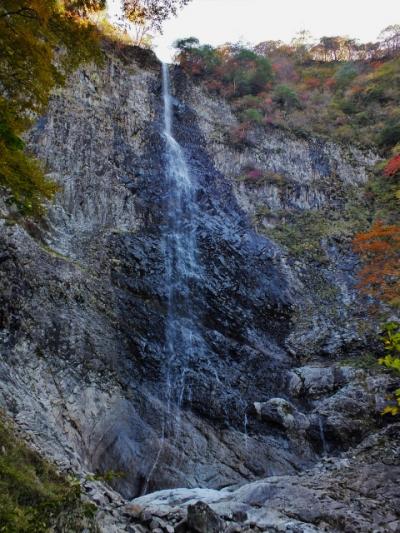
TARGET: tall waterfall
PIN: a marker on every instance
(182, 269)
(183, 341)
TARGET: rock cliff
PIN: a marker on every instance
(84, 303)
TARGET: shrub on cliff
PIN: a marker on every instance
(391, 339)
(286, 97)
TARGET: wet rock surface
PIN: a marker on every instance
(83, 319)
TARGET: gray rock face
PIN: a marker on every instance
(283, 413)
(303, 179)
(84, 303)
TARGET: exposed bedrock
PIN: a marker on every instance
(84, 300)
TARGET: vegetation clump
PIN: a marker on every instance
(391, 340)
(34, 497)
(255, 176)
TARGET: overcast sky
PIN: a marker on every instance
(219, 21)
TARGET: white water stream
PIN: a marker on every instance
(183, 341)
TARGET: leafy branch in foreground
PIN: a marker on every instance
(41, 42)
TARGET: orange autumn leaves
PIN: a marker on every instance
(380, 250)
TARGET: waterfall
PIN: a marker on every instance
(183, 341)
(182, 269)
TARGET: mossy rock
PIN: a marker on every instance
(34, 497)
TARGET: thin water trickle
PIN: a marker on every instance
(322, 436)
(246, 436)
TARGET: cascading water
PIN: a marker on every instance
(182, 269)
(183, 341)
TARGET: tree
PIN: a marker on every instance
(390, 134)
(351, 45)
(196, 59)
(84, 7)
(380, 250)
(267, 48)
(345, 74)
(149, 15)
(187, 44)
(41, 41)
(390, 39)
(286, 97)
(247, 71)
(332, 47)
(302, 43)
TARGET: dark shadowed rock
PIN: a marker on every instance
(202, 519)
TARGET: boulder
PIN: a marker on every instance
(202, 519)
(283, 413)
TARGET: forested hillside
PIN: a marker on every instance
(338, 89)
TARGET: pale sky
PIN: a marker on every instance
(218, 21)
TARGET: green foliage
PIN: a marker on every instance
(338, 89)
(286, 97)
(304, 232)
(346, 106)
(108, 476)
(253, 115)
(390, 135)
(33, 496)
(365, 362)
(391, 340)
(41, 43)
(345, 74)
(187, 44)
(238, 70)
(249, 72)
(23, 177)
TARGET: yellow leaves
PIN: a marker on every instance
(394, 408)
(393, 363)
(40, 44)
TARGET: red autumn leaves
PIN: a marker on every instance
(393, 166)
